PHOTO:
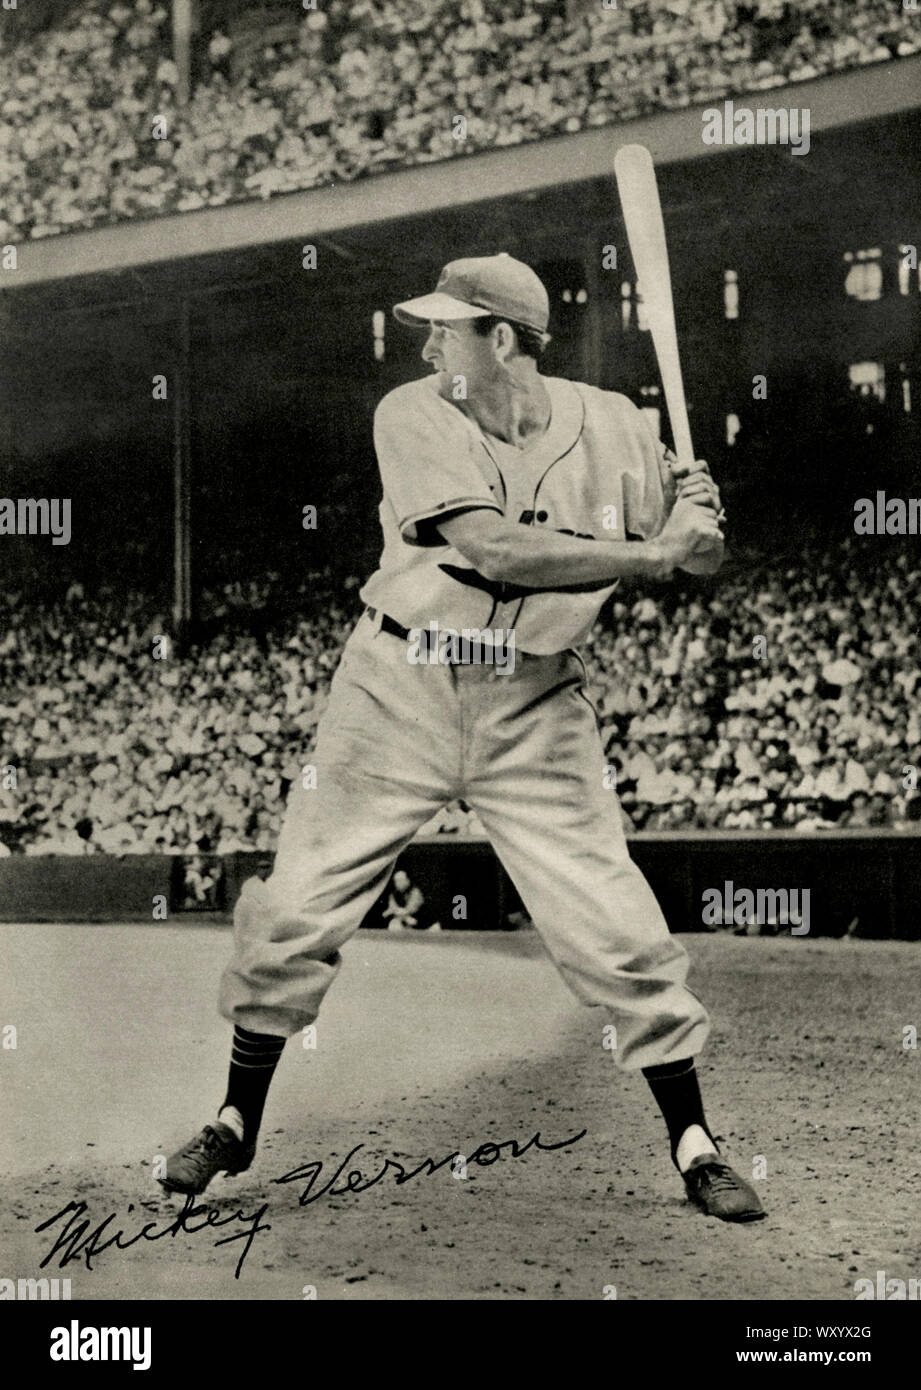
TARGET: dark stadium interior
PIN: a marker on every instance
(284, 379)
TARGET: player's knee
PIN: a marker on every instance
(260, 905)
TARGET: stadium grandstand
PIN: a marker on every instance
(165, 169)
(278, 101)
(201, 762)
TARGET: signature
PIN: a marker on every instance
(78, 1238)
(74, 1241)
(485, 1156)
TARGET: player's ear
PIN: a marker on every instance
(504, 340)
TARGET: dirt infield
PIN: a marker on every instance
(441, 1044)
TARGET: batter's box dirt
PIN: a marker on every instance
(453, 1049)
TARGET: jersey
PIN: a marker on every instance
(598, 471)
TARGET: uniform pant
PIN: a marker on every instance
(396, 742)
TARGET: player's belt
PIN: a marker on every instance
(462, 654)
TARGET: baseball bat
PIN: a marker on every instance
(639, 200)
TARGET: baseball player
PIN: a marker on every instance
(513, 503)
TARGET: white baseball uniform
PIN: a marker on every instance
(521, 747)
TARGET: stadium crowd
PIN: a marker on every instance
(92, 130)
(789, 700)
(787, 696)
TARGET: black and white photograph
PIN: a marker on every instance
(460, 669)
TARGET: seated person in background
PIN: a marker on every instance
(882, 810)
(406, 906)
(739, 816)
(807, 815)
(200, 885)
(680, 814)
(858, 811)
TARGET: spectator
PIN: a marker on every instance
(194, 755)
(359, 88)
(406, 906)
(200, 884)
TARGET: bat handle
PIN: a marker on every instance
(684, 449)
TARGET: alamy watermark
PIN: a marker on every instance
(740, 125)
(887, 516)
(76, 1343)
(470, 646)
(36, 516)
(32, 1290)
(890, 1290)
(762, 907)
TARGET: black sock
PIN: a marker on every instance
(253, 1060)
(677, 1094)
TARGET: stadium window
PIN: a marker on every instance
(648, 397)
(905, 271)
(864, 279)
(868, 379)
(733, 425)
(378, 320)
(564, 279)
(642, 321)
(731, 294)
(631, 301)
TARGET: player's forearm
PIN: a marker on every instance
(707, 562)
(535, 559)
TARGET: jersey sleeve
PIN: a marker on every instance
(427, 463)
(649, 484)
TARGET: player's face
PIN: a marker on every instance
(455, 349)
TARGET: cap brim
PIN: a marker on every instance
(416, 312)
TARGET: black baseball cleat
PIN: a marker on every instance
(216, 1150)
(718, 1191)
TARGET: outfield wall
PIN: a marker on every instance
(865, 882)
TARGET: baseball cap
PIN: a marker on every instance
(481, 285)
